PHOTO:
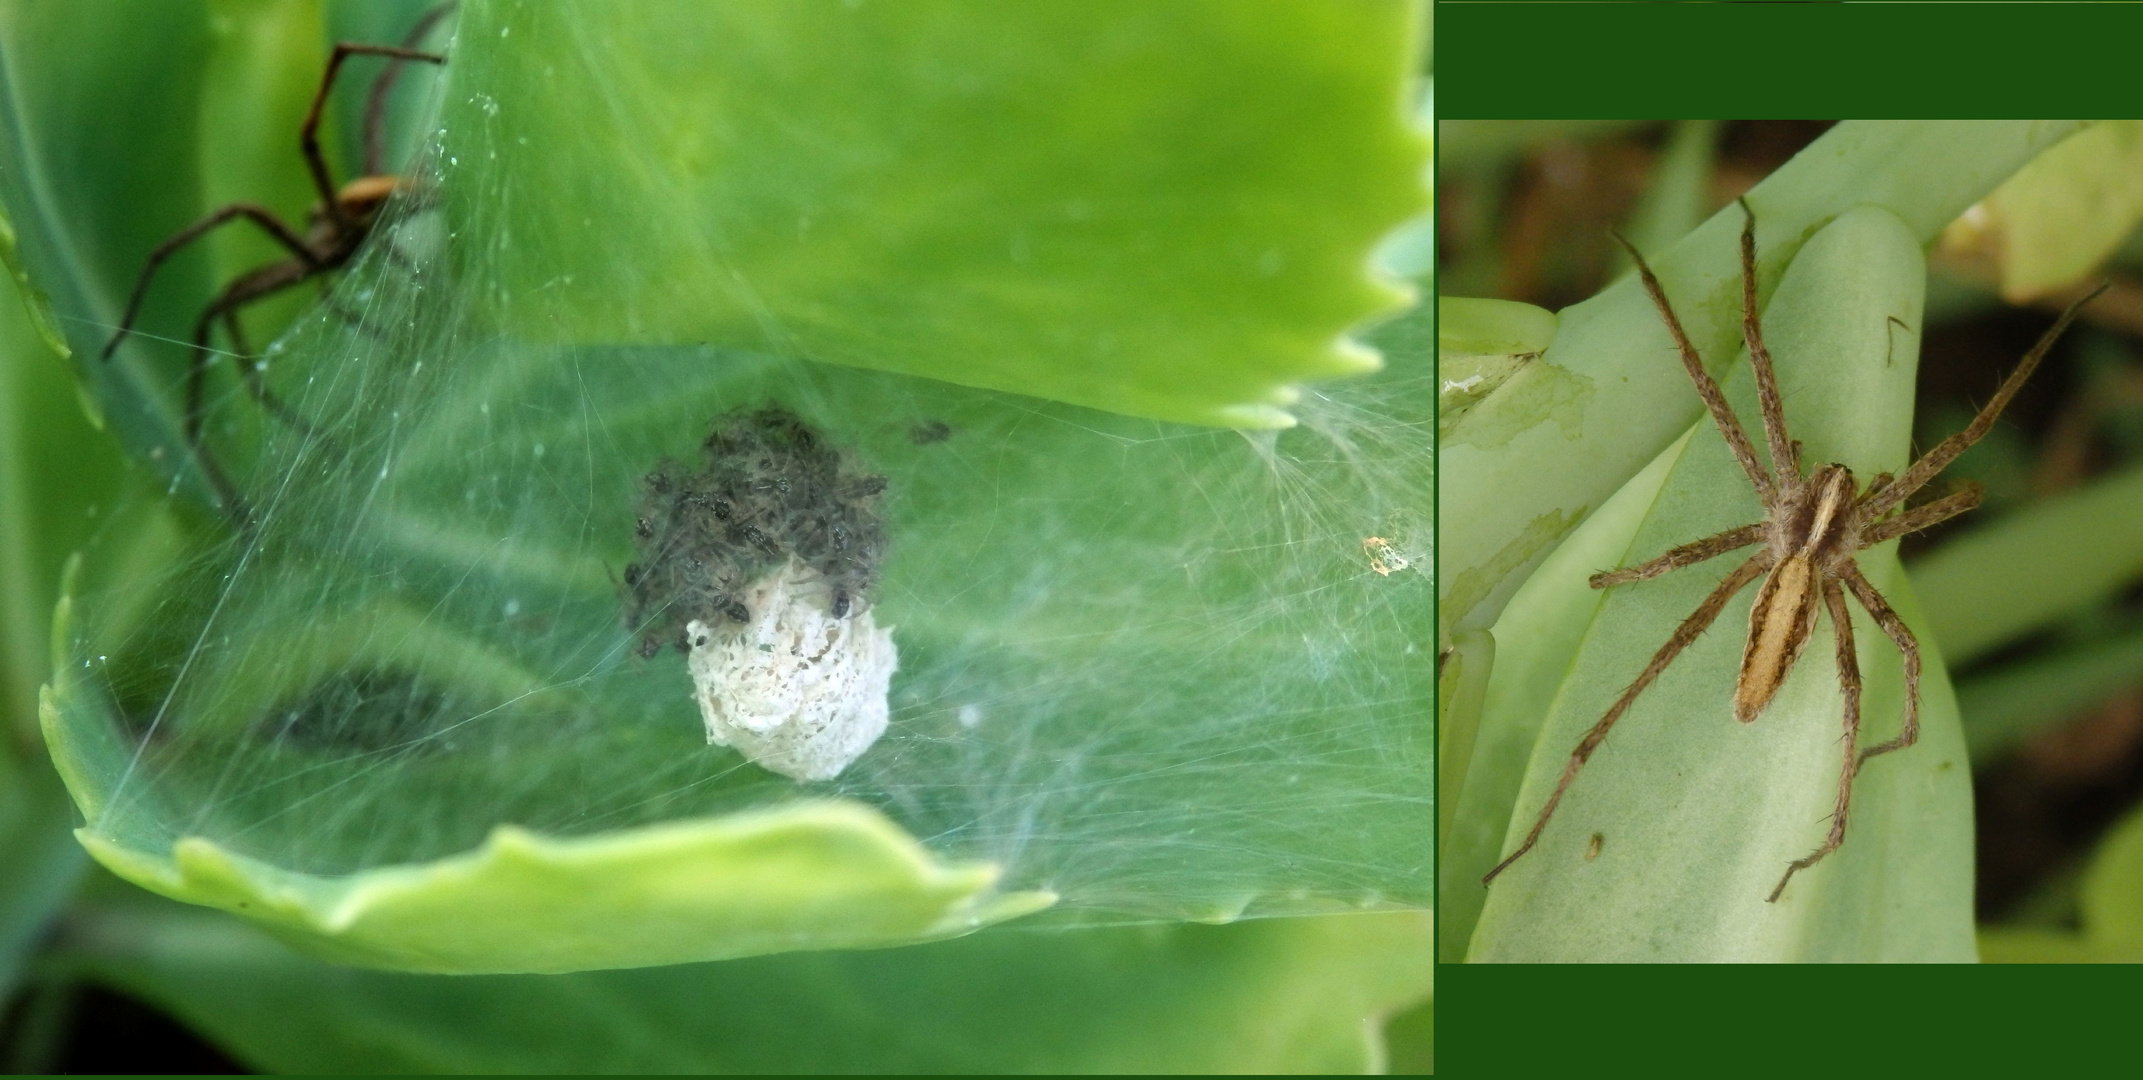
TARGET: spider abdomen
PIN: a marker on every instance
(1779, 625)
(1816, 530)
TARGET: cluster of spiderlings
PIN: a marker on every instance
(773, 490)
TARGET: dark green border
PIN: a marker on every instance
(1798, 1021)
(1600, 59)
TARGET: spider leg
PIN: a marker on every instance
(1785, 453)
(1693, 626)
(259, 215)
(376, 100)
(1946, 451)
(237, 333)
(1907, 645)
(309, 135)
(234, 504)
(1923, 517)
(1849, 681)
(1685, 555)
(1707, 387)
(251, 288)
(257, 285)
(246, 360)
(1874, 488)
(347, 317)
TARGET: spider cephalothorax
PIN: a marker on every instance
(772, 491)
(1813, 526)
(337, 227)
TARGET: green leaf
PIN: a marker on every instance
(95, 170)
(1557, 439)
(1480, 345)
(36, 306)
(1410, 1041)
(1096, 203)
(1461, 684)
(2032, 568)
(1144, 667)
(1677, 784)
(1294, 995)
(1262, 658)
(58, 481)
(1550, 618)
(829, 875)
(1468, 328)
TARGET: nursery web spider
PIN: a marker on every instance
(337, 226)
(1813, 524)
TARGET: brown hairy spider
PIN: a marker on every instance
(337, 226)
(1813, 524)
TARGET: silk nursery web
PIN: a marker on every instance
(491, 569)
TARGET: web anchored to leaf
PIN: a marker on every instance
(1141, 664)
(759, 567)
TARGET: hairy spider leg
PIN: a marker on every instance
(265, 218)
(309, 260)
(1686, 555)
(1707, 387)
(383, 84)
(304, 263)
(1849, 678)
(249, 288)
(259, 215)
(1785, 453)
(1849, 681)
(1881, 495)
(1908, 646)
(309, 134)
(1923, 517)
(1934, 461)
(1695, 625)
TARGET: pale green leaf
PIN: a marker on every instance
(1274, 996)
(1674, 834)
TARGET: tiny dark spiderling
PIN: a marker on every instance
(770, 489)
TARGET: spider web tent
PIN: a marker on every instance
(1146, 668)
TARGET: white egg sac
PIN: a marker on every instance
(794, 689)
